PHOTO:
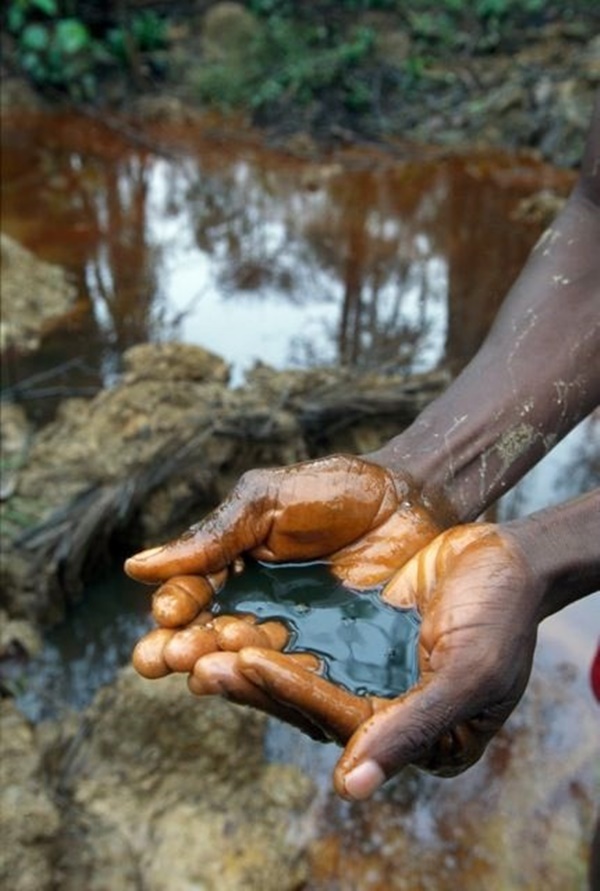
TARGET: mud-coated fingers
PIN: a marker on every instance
(233, 633)
(148, 655)
(188, 645)
(179, 600)
(238, 525)
(219, 674)
(337, 711)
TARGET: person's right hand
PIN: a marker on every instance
(480, 603)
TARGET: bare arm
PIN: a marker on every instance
(562, 547)
(536, 375)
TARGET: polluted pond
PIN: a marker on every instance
(228, 306)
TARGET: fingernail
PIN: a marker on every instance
(146, 555)
(363, 780)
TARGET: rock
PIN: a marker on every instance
(29, 820)
(174, 362)
(173, 793)
(34, 293)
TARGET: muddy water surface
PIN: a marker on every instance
(180, 232)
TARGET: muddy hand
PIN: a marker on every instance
(363, 519)
(207, 649)
(471, 586)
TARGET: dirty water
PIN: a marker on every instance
(364, 259)
(194, 234)
(363, 644)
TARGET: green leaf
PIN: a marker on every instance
(15, 19)
(32, 65)
(50, 7)
(35, 38)
(72, 36)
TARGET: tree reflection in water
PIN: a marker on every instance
(363, 259)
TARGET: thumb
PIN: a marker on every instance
(239, 524)
(403, 732)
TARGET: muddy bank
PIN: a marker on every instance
(35, 297)
(149, 788)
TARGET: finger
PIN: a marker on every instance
(285, 680)
(219, 674)
(239, 524)
(233, 634)
(179, 600)
(148, 655)
(403, 732)
(185, 647)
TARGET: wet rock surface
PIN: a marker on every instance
(34, 296)
(150, 788)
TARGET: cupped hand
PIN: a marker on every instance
(361, 518)
(479, 604)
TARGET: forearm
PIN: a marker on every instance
(536, 375)
(561, 546)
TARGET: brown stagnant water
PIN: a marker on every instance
(212, 238)
(365, 258)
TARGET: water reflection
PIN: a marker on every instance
(84, 652)
(361, 260)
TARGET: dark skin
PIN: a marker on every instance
(395, 517)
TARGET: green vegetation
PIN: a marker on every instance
(56, 48)
(299, 52)
(289, 60)
(285, 52)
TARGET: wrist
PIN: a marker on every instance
(461, 455)
(560, 547)
(533, 379)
